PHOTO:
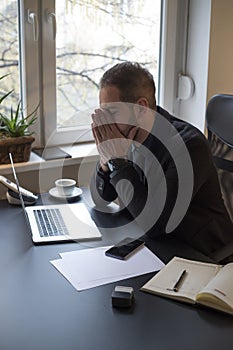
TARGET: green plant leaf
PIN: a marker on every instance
(5, 96)
(8, 93)
(4, 76)
(18, 124)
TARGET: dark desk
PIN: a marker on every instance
(39, 309)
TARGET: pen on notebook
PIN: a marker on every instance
(176, 285)
(219, 291)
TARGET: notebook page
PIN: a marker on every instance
(222, 285)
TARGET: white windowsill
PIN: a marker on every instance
(87, 151)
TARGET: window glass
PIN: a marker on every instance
(92, 36)
(9, 54)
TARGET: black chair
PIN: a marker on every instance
(219, 119)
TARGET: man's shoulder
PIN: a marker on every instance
(187, 131)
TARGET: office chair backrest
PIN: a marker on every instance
(219, 119)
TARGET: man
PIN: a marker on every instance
(159, 167)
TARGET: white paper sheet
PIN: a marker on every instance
(88, 268)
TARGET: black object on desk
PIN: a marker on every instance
(14, 198)
(51, 153)
(122, 296)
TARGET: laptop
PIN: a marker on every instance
(57, 223)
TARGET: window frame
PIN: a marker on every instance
(30, 67)
(52, 135)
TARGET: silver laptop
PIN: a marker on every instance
(58, 223)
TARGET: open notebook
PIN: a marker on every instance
(195, 282)
(58, 223)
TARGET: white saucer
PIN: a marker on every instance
(54, 193)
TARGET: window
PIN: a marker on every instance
(76, 42)
(66, 45)
(9, 53)
(92, 36)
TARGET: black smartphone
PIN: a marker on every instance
(124, 248)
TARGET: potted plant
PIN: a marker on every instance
(15, 137)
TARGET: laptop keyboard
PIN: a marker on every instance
(50, 222)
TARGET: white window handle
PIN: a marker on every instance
(32, 19)
(51, 18)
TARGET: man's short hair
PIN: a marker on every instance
(133, 82)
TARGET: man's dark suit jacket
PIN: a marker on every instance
(159, 179)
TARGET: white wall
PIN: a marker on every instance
(220, 75)
(193, 110)
(210, 56)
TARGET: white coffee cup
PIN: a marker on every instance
(65, 187)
